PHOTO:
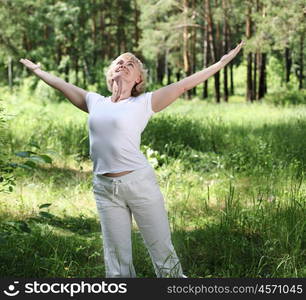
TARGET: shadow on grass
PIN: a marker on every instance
(72, 247)
(58, 177)
(50, 246)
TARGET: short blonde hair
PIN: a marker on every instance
(138, 88)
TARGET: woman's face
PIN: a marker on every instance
(127, 69)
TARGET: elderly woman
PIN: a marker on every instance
(124, 183)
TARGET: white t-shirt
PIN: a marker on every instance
(115, 132)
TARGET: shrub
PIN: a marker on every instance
(7, 180)
(286, 97)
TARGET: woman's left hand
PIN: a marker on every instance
(30, 65)
(225, 59)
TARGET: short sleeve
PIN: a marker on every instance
(149, 104)
(91, 99)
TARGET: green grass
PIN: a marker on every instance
(232, 175)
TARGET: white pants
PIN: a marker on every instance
(137, 193)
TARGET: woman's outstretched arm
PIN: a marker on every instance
(73, 93)
(164, 96)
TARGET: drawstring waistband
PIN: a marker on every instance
(136, 175)
(115, 186)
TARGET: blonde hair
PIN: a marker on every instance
(138, 88)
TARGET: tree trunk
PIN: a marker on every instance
(85, 72)
(205, 55)
(264, 63)
(67, 72)
(218, 36)
(249, 78)
(186, 54)
(94, 33)
(249, 93)
(193, 48)
(231, 64)
(160, 69)
(262, 76)
(10, 72)
(169, 81)
(59, 54)
(225, 50)
(105, 43)
(217, 55)
(119, 34)
(76, 65)
(166, 64)
(84, 78)
(194, 58)
(288, 63)
(255, 59)
(301, 61)
(168, 70)
(232, 79)
(213, 48)
(136, 21)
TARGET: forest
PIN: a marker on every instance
(229, 154)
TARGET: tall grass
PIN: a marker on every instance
(232, 175)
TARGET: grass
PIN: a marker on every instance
(232, 175)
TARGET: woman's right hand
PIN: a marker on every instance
(76, 95)
(30, 65)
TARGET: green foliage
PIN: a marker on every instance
(32, 159)
(287, 96)
(45, 93)
(275, 73)
(154, 157)
(7, 179)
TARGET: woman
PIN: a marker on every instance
(124, 183)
